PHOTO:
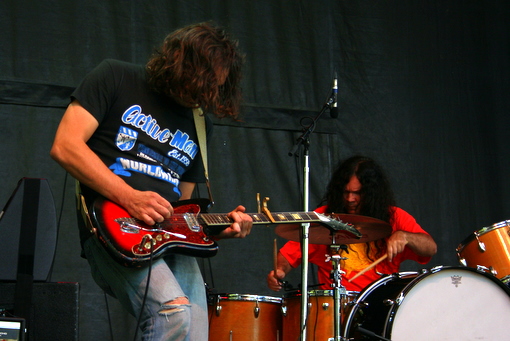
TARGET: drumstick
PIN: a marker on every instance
(368, 268)
(275, 257)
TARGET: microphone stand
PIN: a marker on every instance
(304, 140)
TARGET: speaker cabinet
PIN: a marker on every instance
(28, 231)
(53, 313)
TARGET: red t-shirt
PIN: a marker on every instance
(357, 258)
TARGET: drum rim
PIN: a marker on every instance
(382, 281)
(481, 232)
(368, 289)
(316, 293)
(245, 297)
(440, 268)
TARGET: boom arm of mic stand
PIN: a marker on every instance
(306, 133)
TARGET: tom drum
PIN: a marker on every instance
(320, 324)
(235, 317)
(488, 249)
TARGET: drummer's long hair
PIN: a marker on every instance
(377, 197)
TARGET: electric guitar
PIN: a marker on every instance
(187, 231)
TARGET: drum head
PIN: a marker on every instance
(451, 303)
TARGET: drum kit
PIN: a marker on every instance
(466, 302)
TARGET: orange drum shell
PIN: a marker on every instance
(496, 239)
(320, 324)
(237, 319)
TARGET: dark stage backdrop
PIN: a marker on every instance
(423, 88)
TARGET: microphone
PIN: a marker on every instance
(333, 111)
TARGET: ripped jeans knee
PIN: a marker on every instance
(170, 322)
(178, 305)
(177, 317)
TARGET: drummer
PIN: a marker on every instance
(359, 186)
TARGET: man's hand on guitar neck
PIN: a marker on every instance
(241, 226)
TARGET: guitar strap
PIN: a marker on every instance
(83, 209)
(199, 118)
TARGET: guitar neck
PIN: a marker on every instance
(211, 219)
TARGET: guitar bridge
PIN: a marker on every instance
(128, 225)
(192, 222)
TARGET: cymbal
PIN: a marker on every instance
(370, 228)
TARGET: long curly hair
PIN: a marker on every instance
(377, 197)
(191, 65)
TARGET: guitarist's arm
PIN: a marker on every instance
(186, 189)
(72, 153)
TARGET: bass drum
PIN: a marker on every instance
(235, 317)
(445, 303)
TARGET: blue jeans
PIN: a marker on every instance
(172, 276)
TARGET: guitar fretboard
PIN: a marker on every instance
(212, 219)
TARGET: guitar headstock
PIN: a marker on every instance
(336, 224)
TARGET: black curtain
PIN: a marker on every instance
(422, 89)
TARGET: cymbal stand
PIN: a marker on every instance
(338, 290)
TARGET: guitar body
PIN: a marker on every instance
(129, 240)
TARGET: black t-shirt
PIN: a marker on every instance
(144, 137)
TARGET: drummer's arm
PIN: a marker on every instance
(283, 267)
(420, 243)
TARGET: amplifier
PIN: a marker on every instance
(53, 313)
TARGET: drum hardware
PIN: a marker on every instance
(370, 334)
(338, 288)
(218, 310)
(388, 302)
(284, 311)
(256, 310)
(217, 305)
(481, 245)
(356, 229)
(489, 269)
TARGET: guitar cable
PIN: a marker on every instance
(108, 314)
(144, 240)
(149, 237)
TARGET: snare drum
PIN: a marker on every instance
(234, 317)
(488, 248)
(320, 323)
(445, 303)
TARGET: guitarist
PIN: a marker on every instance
(128, 135)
